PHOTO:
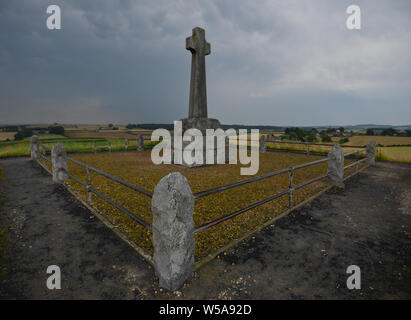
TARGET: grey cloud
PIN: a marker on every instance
(271, 62)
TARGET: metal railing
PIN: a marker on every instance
(109, 146)
(288, 191)
(44, 150)
(91, 190)
(308, 147)
(291, 188)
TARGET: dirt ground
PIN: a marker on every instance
(301, 256)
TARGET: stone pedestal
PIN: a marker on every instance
(34, 148)
(173, 231)
(336, 165)
(59, 163)
(371, 149)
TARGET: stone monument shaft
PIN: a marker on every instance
(198, 92)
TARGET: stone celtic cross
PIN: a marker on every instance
(198, 94)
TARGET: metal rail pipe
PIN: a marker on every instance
(236, 213)
(264, 176)
(114, 204)
(107, 175)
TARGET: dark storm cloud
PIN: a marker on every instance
(271, 62)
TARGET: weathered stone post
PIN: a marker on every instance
(263, 144)
(59, 163)
(126, 144)
(140, 142)
(173, 231)
(371, 149)
(34, 148)
(335, 169)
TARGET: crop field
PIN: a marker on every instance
(302, 148)
(7, 135)
(381, 140)
(137, 168)
(400, 154)
(22, 148)
(89, 127)
(109, 134)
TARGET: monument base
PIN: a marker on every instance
(201, 124)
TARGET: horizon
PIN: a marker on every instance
(223, 124)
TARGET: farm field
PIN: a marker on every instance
(89, 127)
(381, 140)
(137, 168)
(22, 148)
(106, 134)
(302, 148)
(7, 135)
(400, 154)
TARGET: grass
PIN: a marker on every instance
(22, 148)
(302, 148)
(137, 168)
(7, 135)
(400, 154)
(380, 140)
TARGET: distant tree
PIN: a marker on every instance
(131, 126)
(326, 139)
(370, 132)
(310, 138)
(389, 132)
(26, 132)
(110, 125)
(343, 140)
(18, 136)
(408, 133)
(341, 129)
(56, 130)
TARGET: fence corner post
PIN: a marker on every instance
(173, 231)
(371, 149)
(34, 148)
(59, 163)
(140, 142)
(335, 169)
(263, 144)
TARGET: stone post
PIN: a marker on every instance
(371, 149)
(34, 148)
(140, 142)
(263, 144)
(336, 165)
(126, 144)
(173, 231)
(59, 163)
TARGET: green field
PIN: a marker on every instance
(22, 148)
(401, 154)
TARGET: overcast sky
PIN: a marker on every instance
(272, 62)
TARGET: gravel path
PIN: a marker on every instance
(302, 256)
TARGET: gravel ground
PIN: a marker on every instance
(301, 256)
